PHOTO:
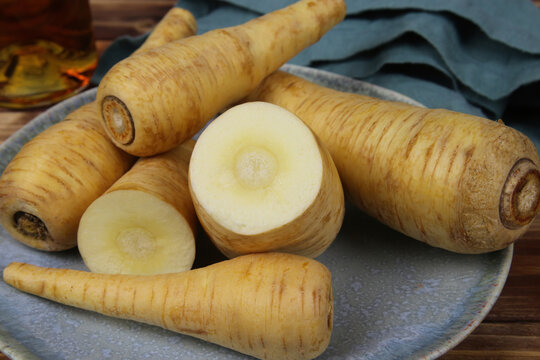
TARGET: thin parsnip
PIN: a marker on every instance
(153, 102)
(455, 181)
(48, 185)
(145, 223)
(271, 306)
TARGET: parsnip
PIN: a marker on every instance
(155, 101)
(48, 185)
(271, 306)
(454, 181)
(177, 24)
(145, 223)
(261, 181)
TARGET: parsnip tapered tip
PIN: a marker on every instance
(520, 197)
(9, 271)
(118, 120)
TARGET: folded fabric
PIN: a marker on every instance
(468, 56)
(513, 23)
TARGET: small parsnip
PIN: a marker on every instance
(270, 306)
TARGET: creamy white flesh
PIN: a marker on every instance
(256, 167)
(132, 232)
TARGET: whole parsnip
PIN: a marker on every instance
(153, 102)
(271, 306)
(455, 181)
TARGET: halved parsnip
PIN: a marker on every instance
(261, 181)
(145, 223)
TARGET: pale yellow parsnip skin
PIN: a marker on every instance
(152, 102)
(145, 223)
(177, 24)
(56, 175)
(293, 204)
(435, 175)
(164, 176)
(270, 306)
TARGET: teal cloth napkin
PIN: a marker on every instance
(463, 55)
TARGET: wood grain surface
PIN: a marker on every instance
(512, 328)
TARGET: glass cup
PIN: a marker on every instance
(47, 51)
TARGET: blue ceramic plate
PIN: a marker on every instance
(395, 298)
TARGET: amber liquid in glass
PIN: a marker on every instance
(47, 51)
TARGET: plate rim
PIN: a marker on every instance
(17, 351)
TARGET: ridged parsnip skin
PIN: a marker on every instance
(164, 176)
(152, 102)
(53, 179)
(268, 225)
(151, 247)
(270, 306)
(435, 175)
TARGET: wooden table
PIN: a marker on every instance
(510, 331)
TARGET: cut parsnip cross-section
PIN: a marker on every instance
(261, 181)
(145, 223)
